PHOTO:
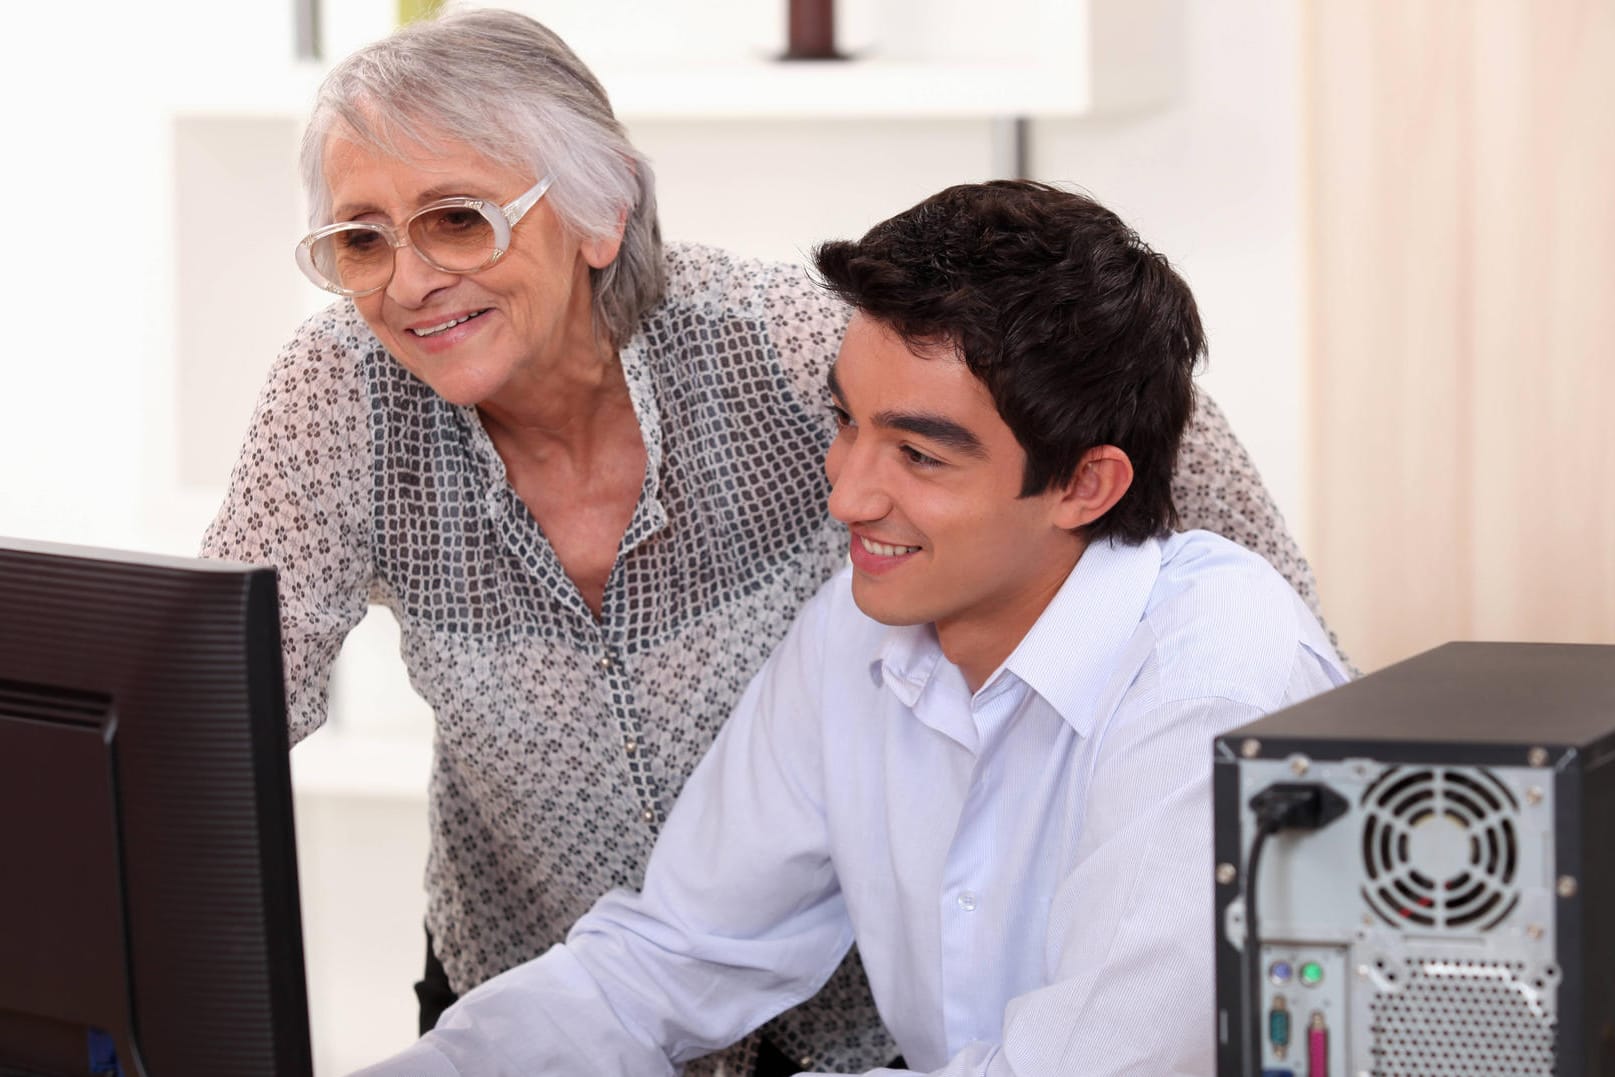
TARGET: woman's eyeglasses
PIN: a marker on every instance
(455, 235)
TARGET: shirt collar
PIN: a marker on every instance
(1070, 653)
(907, 657)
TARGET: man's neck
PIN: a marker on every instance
(980, 642)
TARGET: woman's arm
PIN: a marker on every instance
(1216, 488)
(299, 499)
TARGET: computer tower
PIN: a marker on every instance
(1442, 902)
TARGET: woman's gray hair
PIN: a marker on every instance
(511, 90)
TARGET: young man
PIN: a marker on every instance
(983, 751)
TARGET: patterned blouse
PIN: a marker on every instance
(562, 740)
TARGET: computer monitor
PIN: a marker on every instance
(149, 921)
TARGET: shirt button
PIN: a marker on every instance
(966, 900)
(630, 745)
(605, 662)
(649, 815)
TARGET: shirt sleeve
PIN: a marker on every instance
(740, 916)
(299, 499)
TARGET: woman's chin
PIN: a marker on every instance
(454, 383)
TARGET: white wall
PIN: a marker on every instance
(105, 438)
(1215, 183)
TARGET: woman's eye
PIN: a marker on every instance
(459, 220)
(451, 223)
(839, 414)
(358, 240)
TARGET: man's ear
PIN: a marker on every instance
(1101, 478)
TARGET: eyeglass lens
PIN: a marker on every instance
(456, 239)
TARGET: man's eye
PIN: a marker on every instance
(839, 414)
(917, 458)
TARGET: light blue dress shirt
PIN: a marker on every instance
(1027, 870)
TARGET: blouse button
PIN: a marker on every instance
(649, 815)
(967, 900)
(630, 745)
(605, 662)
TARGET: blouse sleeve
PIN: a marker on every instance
(801, 322)
(806, 324)
(1216, 488)
(299, 499)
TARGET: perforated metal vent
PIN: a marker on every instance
(1462, 1019)
(1440, 848)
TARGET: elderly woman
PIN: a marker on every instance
(582, 470)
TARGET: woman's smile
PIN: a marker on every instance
(442, 327)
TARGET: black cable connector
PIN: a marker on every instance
(1297, 806)
(1281, 806)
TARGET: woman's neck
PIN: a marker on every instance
(574, 407)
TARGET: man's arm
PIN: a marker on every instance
(740, 916)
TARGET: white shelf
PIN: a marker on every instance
(1045, 58)
(872, 89)
(1037, 58)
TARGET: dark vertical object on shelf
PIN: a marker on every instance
(811, 30)
(1012, 147)
(306, 29)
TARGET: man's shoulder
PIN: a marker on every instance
(835, 625)
(823, 665)
(1213, 568)
(1224, 623)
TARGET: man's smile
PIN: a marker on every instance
(883, 549)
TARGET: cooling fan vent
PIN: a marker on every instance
(1440, 848)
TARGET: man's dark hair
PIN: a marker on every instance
(1083, 335)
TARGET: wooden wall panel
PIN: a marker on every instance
(1462, 295)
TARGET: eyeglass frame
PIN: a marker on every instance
(503, 222)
